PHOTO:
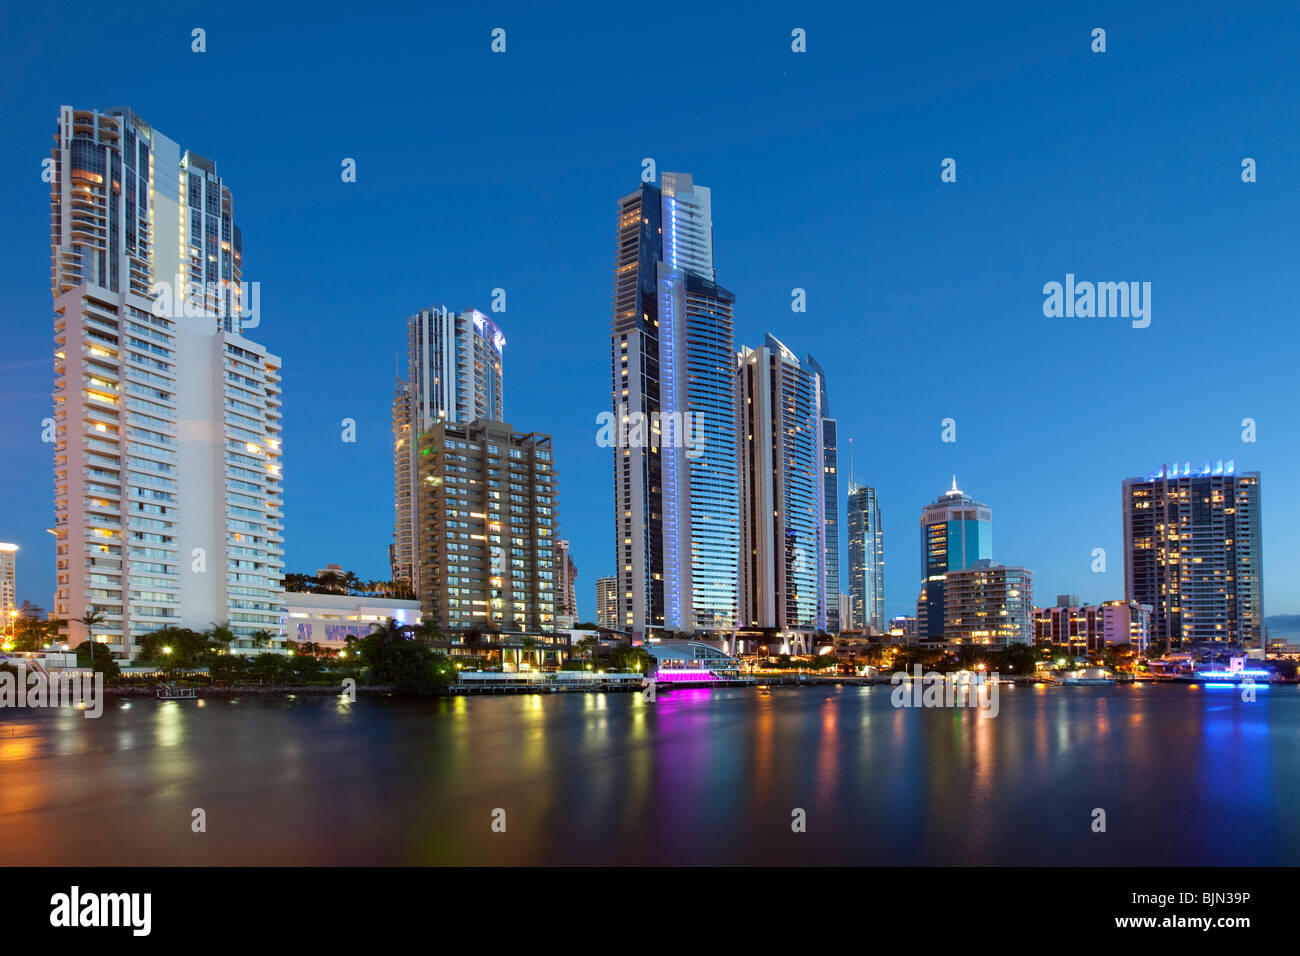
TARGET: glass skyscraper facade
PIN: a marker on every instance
(1193, 552)
(956, 531)
(672, 368)
(831, 495)
(866, 558)
(783, 505)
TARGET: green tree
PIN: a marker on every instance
(271, 668)
(630, 659)
(220, 634)
(100, 661)
(33, 633)
(175, 646)
(229, 669)
(1018, 659)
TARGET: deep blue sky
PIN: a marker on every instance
(478, 170)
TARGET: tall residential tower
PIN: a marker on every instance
(956, 531)
(831, 495)
(1194, 553)
(866, 558)
(167, 438)
(454, 374)
(672, 350)
(783, 529)
(489, 518)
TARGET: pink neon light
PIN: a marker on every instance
(671, 675)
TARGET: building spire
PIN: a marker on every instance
(955, 490)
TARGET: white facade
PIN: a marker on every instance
(167, 419)
(607, 602)
(783, 519)
(328, 620)
(8, 587)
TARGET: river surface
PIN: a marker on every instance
(1185, 775)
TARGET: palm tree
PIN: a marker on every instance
(333, 581)
(427, 632)
(299, 583)
(220, 634)
(91, 620)
(263, 637)
(390, 631)
(530, 647)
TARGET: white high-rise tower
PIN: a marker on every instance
(166, 417)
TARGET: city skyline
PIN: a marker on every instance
(894, 302)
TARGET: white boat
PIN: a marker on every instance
(1237, 673)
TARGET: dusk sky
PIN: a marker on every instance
(478, 170)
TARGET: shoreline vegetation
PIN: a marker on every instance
(411, 660)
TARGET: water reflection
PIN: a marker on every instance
(1186, 775)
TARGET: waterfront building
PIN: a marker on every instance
(672, 352)
(607, 602)
(902, 629)
(8, 588)
(167, 441)
(1094, 627)
(988, 604)
(866, 557)
(847, 621)
(678, 660)
(831, 497)
(568, 575)
(1193, 552)
(488, 525)
(328, 620)
(956, 532)
(782, 583)
(454, 374)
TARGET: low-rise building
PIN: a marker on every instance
(1091, 628)
(988, 604)
(328, 620)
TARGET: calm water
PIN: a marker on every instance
(1186, 776)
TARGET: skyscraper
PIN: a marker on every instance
(831, 496)
(783, 530)
(488, 523)
(454, 374)
(167, 436)
(866, 557)
(607, 601)
(672, 350)
(1193, 552)
(8, 587)
(956, 531)
(567, 574)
